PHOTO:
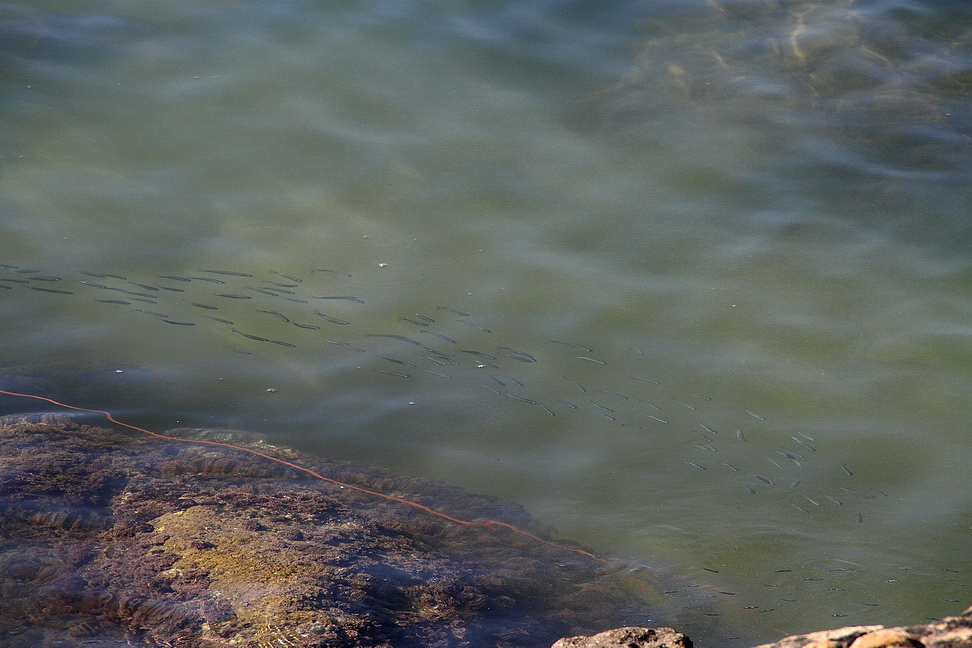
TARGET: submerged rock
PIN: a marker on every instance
(114, 539)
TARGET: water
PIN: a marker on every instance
(761, 208)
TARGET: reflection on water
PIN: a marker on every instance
(855, 107)
(695, 295)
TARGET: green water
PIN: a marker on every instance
(761, 208)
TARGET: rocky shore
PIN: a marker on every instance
(111, 539)
(116, 539)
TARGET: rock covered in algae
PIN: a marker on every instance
(114, 539)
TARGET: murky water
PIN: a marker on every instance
(690, 282)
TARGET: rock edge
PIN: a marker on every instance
(950, 632)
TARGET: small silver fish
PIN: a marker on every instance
(279, 316)
(228, 273)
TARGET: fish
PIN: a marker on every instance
(521, 399)
(345, 345)
(615, 394)
(280, 316)
(343, 297)
(594, 360)
(251, 337)
(96, 275)
(802, 444)
(338, 272)
(273, 292)
(575, 384)
(401, 362)
(440, 336)
(508, 378)
(401, 338)
(479, 354)
(576, 346)
(754, 414)
(332, 320)
(684, 404)
(452, 310)
(476, 326)
(228, 273)
(521, 356)
(847, 490)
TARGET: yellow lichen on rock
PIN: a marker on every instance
(251, 570)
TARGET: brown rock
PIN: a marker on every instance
(630, 637)
(839, 638)
(886, 639)
(123, 540)
(950, 632)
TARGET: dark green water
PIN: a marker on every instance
(761, 208)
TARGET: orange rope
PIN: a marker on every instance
(492, 524)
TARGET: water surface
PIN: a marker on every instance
(689, 281)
